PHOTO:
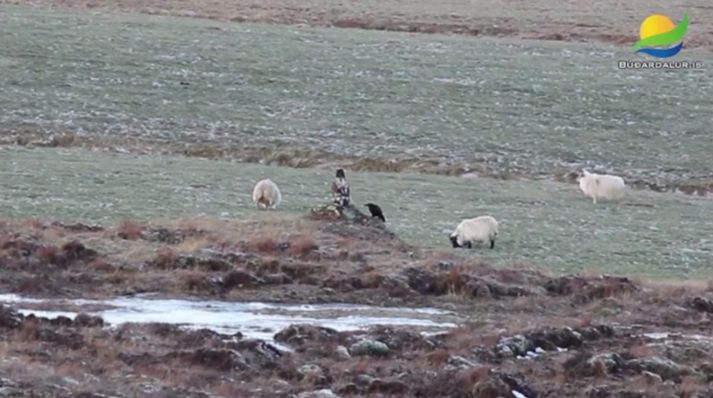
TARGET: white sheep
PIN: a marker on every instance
(479, 229)
(601, 186)
(266, 194)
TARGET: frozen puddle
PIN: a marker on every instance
(677, 336)
(253, 320)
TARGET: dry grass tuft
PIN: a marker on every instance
(438, 357)
(612, 286)
(642, 351)
(692, 387)
(302, 246)
(47, 255)
(264, 244)
(35, 224)
(469, 378)
(63, 140)
(70, 368)
(677, 289)
(29, 330)
(455, 281)
(165, 258)
(192, 280)
(100, 265)
(129, 230)
(229, 389)
(197, 243)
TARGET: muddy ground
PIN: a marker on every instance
(575, 20)
(527, 332)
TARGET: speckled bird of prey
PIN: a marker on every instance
(340, 189)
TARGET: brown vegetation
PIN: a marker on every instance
(302, 158)
(129, 230)
(514, 313)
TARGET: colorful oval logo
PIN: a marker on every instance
(660, 37)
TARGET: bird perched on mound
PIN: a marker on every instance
(375, 211)
(340, 189)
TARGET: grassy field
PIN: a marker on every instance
(139, 123)
(543, 223)
(572, 20)
(532, 107)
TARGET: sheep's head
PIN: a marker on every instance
(454, 241)
(581, 174)
(263, 202)
(340, 173)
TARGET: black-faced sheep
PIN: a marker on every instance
(471, 230)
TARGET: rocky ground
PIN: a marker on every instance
(526, 332)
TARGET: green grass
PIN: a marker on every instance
(525, 106)
(547, 224)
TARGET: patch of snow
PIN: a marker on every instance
(518, 394)
(252, 319)
(532, 354)
(657, 335)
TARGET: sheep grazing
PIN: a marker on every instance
(601, 186)
(375, 211)
(479, 229)
(340, 189)
(266, 194)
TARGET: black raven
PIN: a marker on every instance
(375, 211)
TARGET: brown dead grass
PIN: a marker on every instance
(469, 378)
(438, 357)
(368, 267)
(100, 265)
(302, 246)
(165, 258)
(70, 368)
(129, 230)
(642, 351)
(264, 244)
(670, 289)
(29, 330)
(305, 158)
(48, 254)
(192, 280)
(63, 140)
(198, 243)
(578, 20)
(229, 389)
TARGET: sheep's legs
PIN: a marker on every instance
(469, 245)
(492, 243)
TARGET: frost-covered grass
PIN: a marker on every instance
(551, 225)
(529, 106)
